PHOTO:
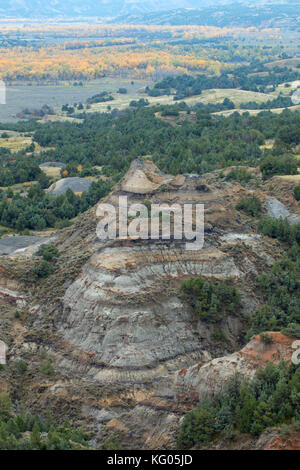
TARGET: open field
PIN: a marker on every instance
(269, 143)
(20, 97)
(237, 96)
(52, 171)
(294, 178)
(254, 112)
(18, 187)
(58, 117)
(34, 97)
(293, 62)
(16, 141)
(25, 96)
(207, 96)
(282, 88)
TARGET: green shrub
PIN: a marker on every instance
(48, 252)
(43, 354)
(297, 192)
(44, 269)
(279, 165)
(219, 336)
(292, 329)
(47, 368)
(280, 291)
(239, 174)
(197, 428)
(5, 406)
(112, 443)
(142, 102)
(170, 112)
(210, 300)
(266, 339)
(280, 229)
(15, 428)
(251, 206)
(36, 442)
(21, 367)
(63, 224)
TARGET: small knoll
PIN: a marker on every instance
(78, 185)
(210, 378)
(143, 177)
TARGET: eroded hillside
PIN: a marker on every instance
(130, 356)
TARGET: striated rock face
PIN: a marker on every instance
(119, 307)
(210, 378)
(124, 306)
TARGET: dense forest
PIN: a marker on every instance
(270, 399)
(112, 140)
(25, 431)
(254, 77)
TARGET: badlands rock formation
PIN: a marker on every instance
(124, 306)
(129, 354)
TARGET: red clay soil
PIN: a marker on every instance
(280, 443)
(258, 352)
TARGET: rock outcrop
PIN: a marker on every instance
(278, 210)
(211, 377)
(76, 184)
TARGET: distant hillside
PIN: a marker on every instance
(212, 12)
(93, 8)
(268, 14)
